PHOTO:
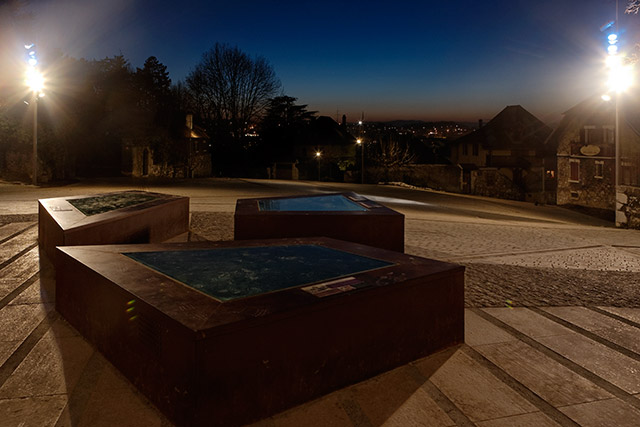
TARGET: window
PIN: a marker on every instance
(599, 173)
(475, 149)
(608, 135)
(588, 134)
(465, 150)
(551, 174)
(574, 175)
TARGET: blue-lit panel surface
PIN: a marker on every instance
(230, 273)
(334, 203)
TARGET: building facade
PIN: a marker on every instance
(508, 158)
(587, 157)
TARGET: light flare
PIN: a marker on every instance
(34, 80)
(620, 78)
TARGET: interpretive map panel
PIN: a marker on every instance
(345, 313)
(121, 217)
(344, 216)
(229, 273)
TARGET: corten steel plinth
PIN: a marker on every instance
(354, 218)
(206, 362)
(157, 218)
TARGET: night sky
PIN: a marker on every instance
(429, 60)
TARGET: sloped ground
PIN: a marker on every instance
(552, 337)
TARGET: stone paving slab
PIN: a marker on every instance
(552, 381)
(610, 412)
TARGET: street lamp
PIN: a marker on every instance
(35, 82)
(360, 142)
(619, 79)
(318, 155)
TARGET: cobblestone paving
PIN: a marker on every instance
(515, 265)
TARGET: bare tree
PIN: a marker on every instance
(392, 154)
(230, 89)
(633, 6)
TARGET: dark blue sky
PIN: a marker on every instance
(430, 60)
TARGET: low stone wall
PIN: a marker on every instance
(437, 177)
(492, 183)
(628, 207)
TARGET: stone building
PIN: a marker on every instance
(508, 158)
(585, 140)
(187, 155)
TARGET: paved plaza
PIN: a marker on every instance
(552, 317)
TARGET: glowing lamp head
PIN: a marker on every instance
(612, 49)
(34, 80)
(606, 97)
(613, 38)
(358, 141)
(620, 78)
(318, 154)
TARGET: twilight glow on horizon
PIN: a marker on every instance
(463, 60)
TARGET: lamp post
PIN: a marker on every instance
(360, 142)
(35, 82)
(620, 78)
(318, 155)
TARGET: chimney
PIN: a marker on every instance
(479, 123)
(344, 120)
(190, 121)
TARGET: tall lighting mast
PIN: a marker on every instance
(35, 82)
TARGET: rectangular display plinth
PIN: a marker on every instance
(276, 334)
(121, 217)
(344, 216)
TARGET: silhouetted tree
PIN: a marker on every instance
(284, 124)
(230, 91)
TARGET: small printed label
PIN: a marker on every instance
(370, 205)
(333, 287)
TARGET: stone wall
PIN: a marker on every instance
(17, 165)
(437, 177)
(492, 183)
(590, 191)
(628, 207)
